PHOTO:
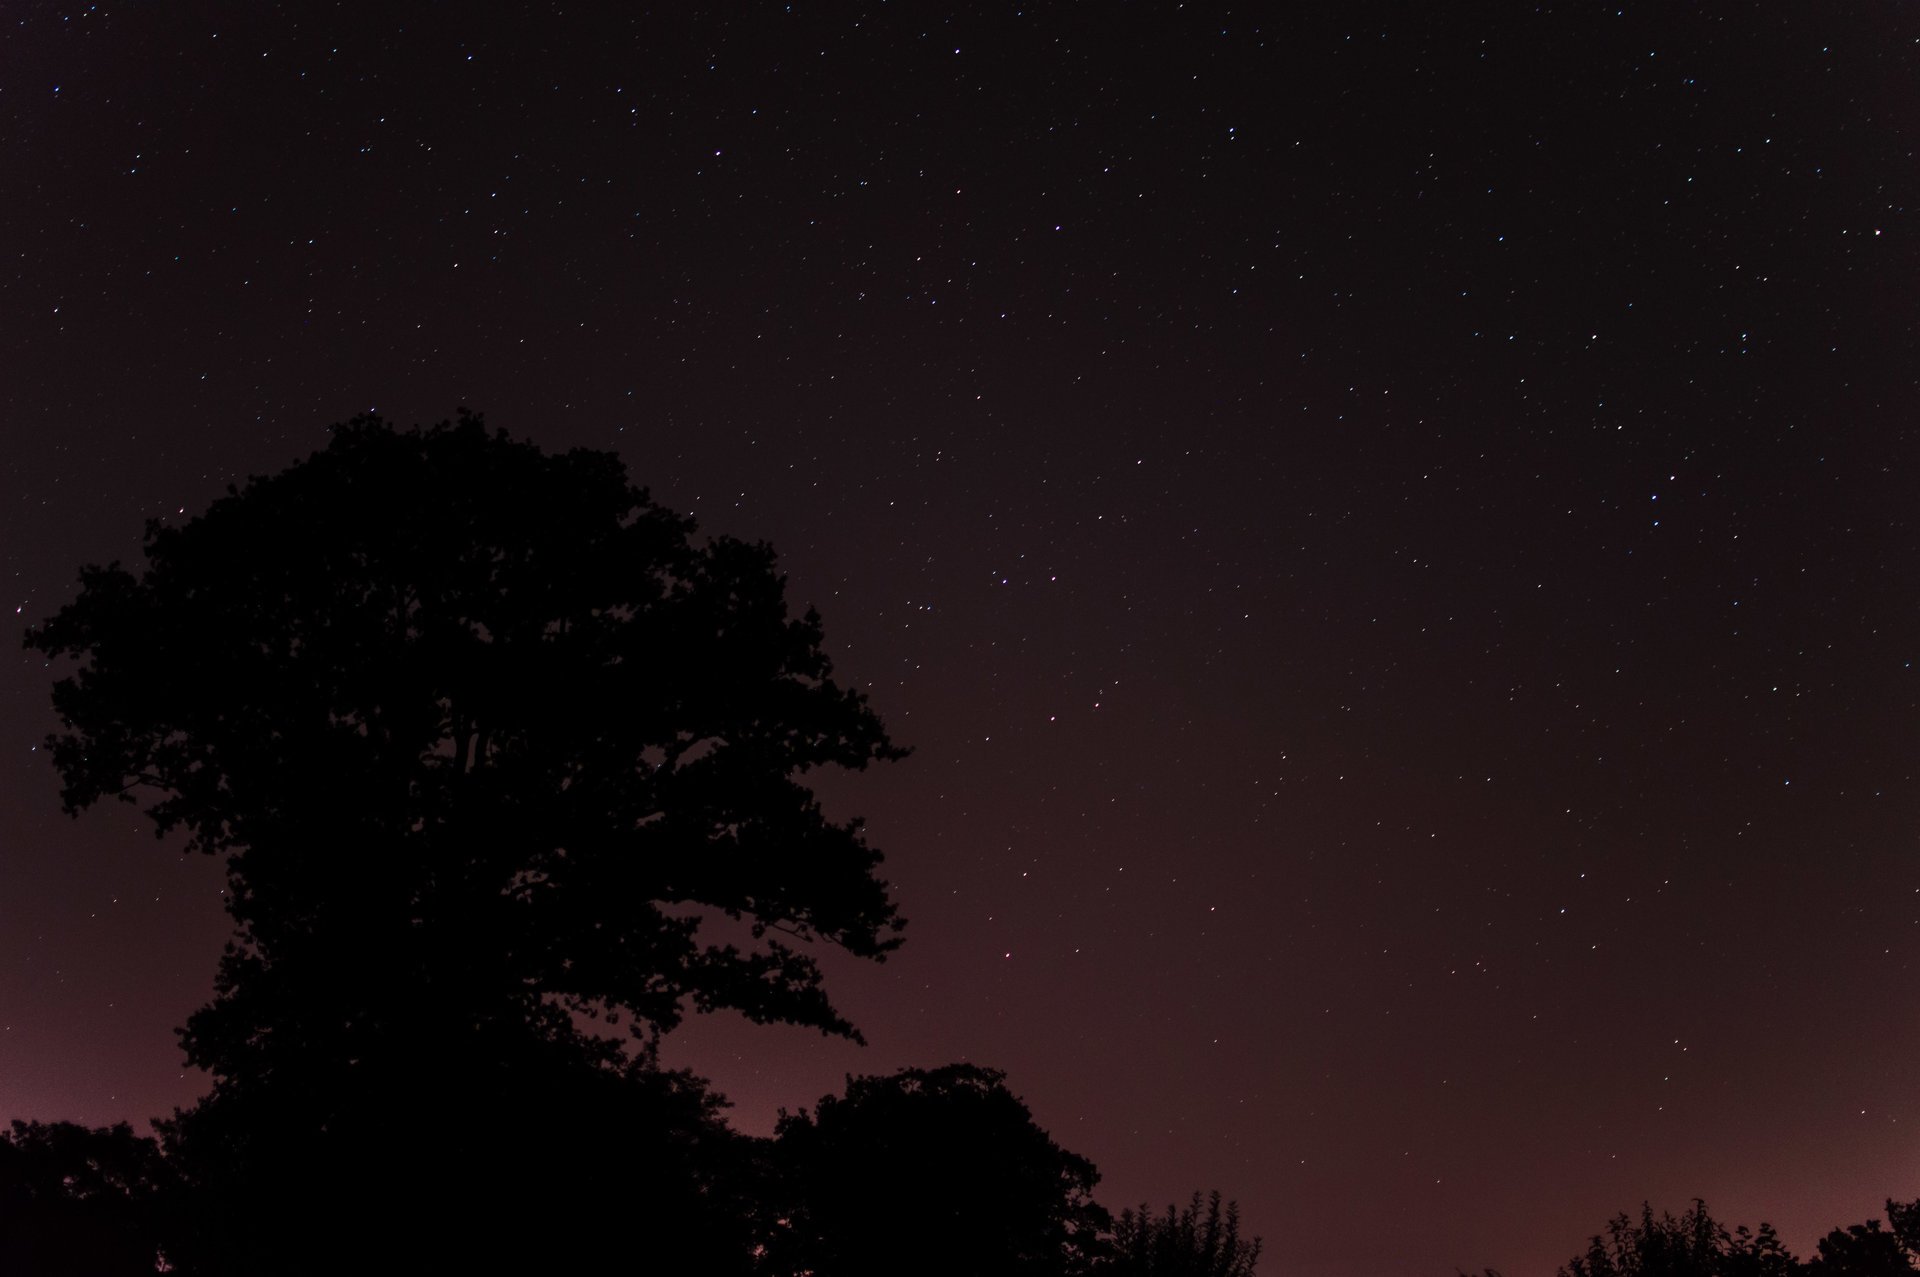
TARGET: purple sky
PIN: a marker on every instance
(1392, 535)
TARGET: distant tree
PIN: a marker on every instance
(1692, 1245)
(82, 1202)
(941, 1173)
(1695, 1246)
(1751, 1253)
(1185, 1242)
(1867, 1250)
(494, 748)
(1905, 1220)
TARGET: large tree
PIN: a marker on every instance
(493, 747)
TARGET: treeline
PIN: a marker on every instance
(508, 767)
(933, 1172)
(938, 1172)
(1694, 1244)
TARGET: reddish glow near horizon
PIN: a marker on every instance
(1391, 537)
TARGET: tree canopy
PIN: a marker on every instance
(493, 747)
(941, 1172)
(1694, 1244)
(531, 1170)
(1866, 1250)
(79, 1202)
(484, 735)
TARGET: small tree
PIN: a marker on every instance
(1758, 1253)
(1867, 1250)
(1185, 1242)
(938, 1172)
(1692, 1245)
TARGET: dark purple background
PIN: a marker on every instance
(1392, 533)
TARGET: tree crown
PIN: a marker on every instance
(486, 737)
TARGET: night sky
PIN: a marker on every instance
(1390, 528)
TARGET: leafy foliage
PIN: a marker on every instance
(537, 1167)
(1865, 1250)
(1185, 1242)
(1666, 1246)
(81, 1202)
(1905, 1220)
(939, 1172)
(494, 748)
(484, 735)
(1694, 1245)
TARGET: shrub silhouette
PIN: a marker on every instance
(1186, 1242)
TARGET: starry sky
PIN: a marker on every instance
(1391, 530)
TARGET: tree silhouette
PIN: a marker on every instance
(1185, 1242)
(476, 723)
(1904, 1217)
(84, 1202)
(494, 748)
(1695, 1246)
(938, 1172)
(1867, 1250)
(1756, 1253)
(1692, 1245)
(554, 1169)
